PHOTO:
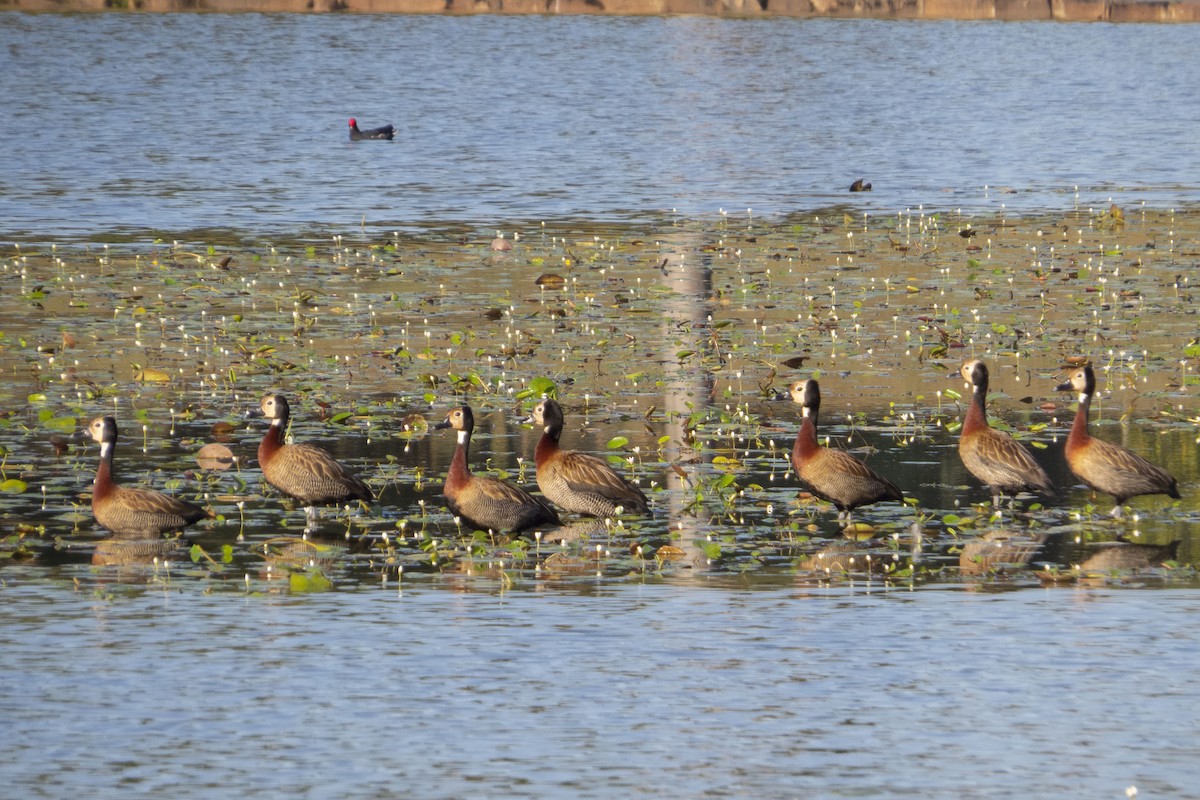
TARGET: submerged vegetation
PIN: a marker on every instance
(671, 347)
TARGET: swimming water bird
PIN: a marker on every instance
(1104, 466)
(487, 503)
(303, 471)
(578, 482)
(833, 475)
(994, 457)
(382, 132)
(128, 512)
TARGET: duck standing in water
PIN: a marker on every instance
(128, 512)
(578, 482)
(483, 502)
(994, 457)
(304, 471)
(1106, 467)
(832, 475)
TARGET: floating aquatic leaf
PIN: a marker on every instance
(13, 486)
(61, 423)
(312, 582)
(858, 530)
(669, 552)
(215, 457)
(543, 386)
(415, 424)
(549, 280)
(150, 375)
(617, 442)
(340, 417)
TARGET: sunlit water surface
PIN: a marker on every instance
(682, 690)
(695, 653)
(170, 123)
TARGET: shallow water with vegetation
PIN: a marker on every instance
(671, 350)
(738, 641)
(670, 347)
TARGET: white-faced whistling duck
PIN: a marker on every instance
(483, 502)
(128, 512)
(994, 457)
(1104, 466)
(832, 475)
(303, 471)
(579, 482)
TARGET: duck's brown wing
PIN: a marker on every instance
(845, 481)
(584, 472)
(493, 503)
(131, 512)
(314, 477)
(1001, 462)
(1112, 469)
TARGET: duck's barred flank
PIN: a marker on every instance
(832, 475)
(579, 483)
(303, 471)
(994, 457)
(482, 502)
(128, 512)
(1106, 467)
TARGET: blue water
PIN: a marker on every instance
(681, 690)
(205, 681)
(170, 123)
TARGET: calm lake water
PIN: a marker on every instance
(124, 123)
(737, 643)
(681, 690)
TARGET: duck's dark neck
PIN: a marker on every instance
(806, 439)
(977, 411)
(104, 472)
(1079, 428)
(547, 446)
(460, 473)
(273, 440)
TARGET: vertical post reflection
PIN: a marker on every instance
(689, 385)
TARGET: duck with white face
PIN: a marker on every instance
(484, 502)
(129, 512)
(994, 457)
(304, 471)
(580, 483)
(1106, 467)
(833, 475)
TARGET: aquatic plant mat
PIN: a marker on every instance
(670, 345)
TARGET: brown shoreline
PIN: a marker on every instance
(1007, 10)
